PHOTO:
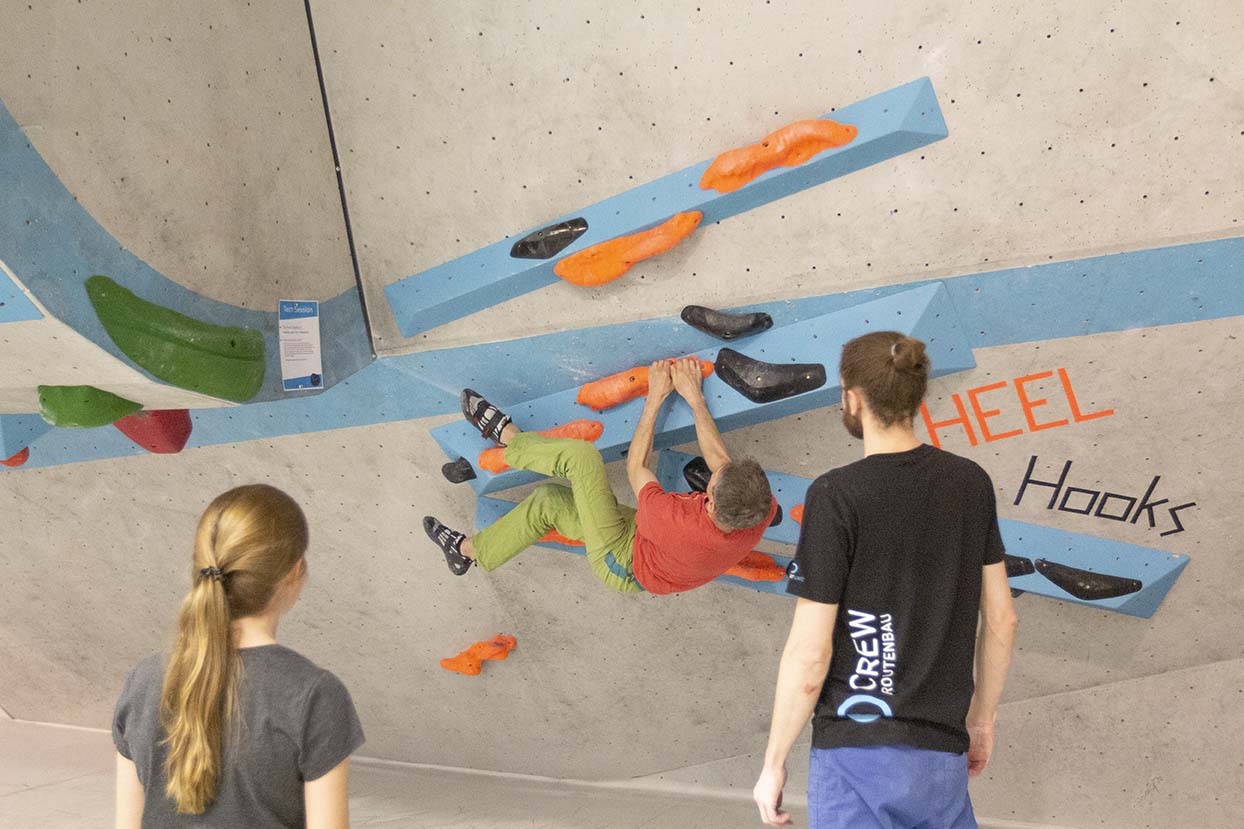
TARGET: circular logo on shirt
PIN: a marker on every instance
(859, 700)
(792, 568)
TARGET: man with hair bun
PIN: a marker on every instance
(898, 556)
(672, 543)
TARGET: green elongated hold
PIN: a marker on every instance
(82, 407)
(217, 360)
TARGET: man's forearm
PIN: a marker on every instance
(639, 455)
(994, 646)
(712, 447)
(798, 687)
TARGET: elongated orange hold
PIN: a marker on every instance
(796, 513)
(617, 389)
(757, 567)
(589, 430)
(470, 661)
(557, 538)
(18, 459)
(607, 261)
(790, 146)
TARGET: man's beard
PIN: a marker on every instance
(853, 424)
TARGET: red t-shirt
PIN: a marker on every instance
(677, 545)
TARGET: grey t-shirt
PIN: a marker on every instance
(295, 722)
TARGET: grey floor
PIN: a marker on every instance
(52, 776)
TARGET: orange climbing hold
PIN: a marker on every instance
(557, 538)
(790, 146)
(617, 389)
(471, 660)
(589, 430)
(18, 459)
(796, 513)
(757, 567)
(607, 261)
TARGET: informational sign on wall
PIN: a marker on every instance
(299, 327)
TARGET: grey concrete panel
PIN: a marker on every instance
(1074, 128)
(601, 686)
(1162, 751)
(53, 777)
(193, 132)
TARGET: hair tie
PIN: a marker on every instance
(894, 349)
(213, 573)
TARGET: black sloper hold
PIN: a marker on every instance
(459, 471)
(1085, 584)
(548, 241)
(762, 382)
(1018, 566)
(726, 326)
(697, 473)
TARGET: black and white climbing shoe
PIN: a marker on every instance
(450, 542)
(484, 416)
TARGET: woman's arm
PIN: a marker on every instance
(129, 795)
(327, 799)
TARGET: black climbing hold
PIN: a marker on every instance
(1018, 566)
(458, 471)
(762, 382)
(725, 326)
(548, 241)
(1015, 594)
(697, 473)
(1085, 584)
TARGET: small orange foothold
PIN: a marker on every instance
(789, 146)
(18, 459)
(757, 567)
(617, 389)
(606, 261)
(493, 459)
(796, 513)
(469, 662)
(557, 538)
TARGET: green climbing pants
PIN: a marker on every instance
(586, 510)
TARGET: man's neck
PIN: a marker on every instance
(900, 437)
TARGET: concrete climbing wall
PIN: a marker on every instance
(1074, 130)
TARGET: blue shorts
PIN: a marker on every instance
(888, 787)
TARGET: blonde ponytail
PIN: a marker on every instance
(248, 541)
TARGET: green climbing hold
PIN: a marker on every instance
(213, 359)
(82, 407)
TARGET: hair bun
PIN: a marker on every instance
(908, 354)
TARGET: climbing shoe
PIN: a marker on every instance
(450, 542)
(484, 416)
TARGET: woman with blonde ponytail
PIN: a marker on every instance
(232, 729)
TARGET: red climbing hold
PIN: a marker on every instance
(557, 538)
(796, 513)
(471, 660)
(18, 459)
(608, 260)
(789, 146)
(622, 387)
(163, 431)
(757, 567)
(493, 459)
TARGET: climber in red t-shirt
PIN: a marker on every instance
(673, 542)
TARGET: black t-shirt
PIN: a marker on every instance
(897, 541)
